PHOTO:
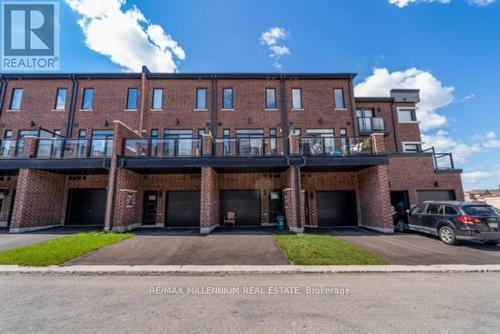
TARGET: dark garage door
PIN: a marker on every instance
(246, 204)
(336, 208)
(183, 209)
(86, 207)
(435, 195)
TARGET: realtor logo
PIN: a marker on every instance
(30, 38)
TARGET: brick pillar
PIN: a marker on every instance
(209, 201)
(374, 199)
(127, 213)
(39, 200)
(30, 147)
(378, 143)
(290, 202)
(207, 145)
(294, 144)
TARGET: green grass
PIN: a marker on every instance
(60, 250)
(317, 249)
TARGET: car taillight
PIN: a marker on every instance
(469, 220)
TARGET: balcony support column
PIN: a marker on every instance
(378, 143)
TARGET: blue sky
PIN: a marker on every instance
(448, 48)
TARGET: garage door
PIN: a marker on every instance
(86, 207)
(336, 208)
(246, 204)
(183, 209)
(435, 195)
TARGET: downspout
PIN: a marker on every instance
(284, 115)
(142, 93)
(72, 106)
(213, 115)
(393, 116)
(353, 108)
(3, 92)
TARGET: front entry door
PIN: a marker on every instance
(150, 208)
(275, 206)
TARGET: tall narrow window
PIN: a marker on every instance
(273, 141)
(271, 98)
(17, 97)
(227, 99)
(339, 98)
(88, 99)
(226, 142)
(296, 98)
(8, 134)
(132, 98)
(201, 98)
(157, 99)
(155, 134)
(62, 93)
(201, 138)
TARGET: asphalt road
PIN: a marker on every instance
(376, 303)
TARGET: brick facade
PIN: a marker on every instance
(126, 187)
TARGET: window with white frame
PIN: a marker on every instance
(339, 98)
(412, 147)
(296, 98)
(407, 115)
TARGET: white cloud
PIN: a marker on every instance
(443, 143)
(489, 140)
(476, 176)
(126, 36)
(404, 3)
(271, 38)
(433, 95)
(466, 98)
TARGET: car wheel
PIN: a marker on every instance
(447, 235)
(401, 226)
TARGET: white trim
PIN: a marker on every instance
(403, 144)
(125, 228)
(155, 109)
(408, 122)
(271, 109)
(232, 109)
(31, 228)
(13, 110)
(196, 109)
(378, 229)
(92, 109)
(341, 109)
(299, 109)
(207, 230)
(130, 109)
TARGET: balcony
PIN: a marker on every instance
(368, 125)
(163, 148)
(326, 146)
(442, 161)
(12, 148)
(245, 147)
(74, 148)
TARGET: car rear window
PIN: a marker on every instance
(478, 210)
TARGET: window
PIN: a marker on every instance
(433, 209)
(102, 143)
(154, 142)
(339, 98)
(17, 97)
(8, 134)
(271, 98)
(319, 142)
(155, 133)
(407, 115)
(449, 210)
(88, 99)
(61, 95)
(201, 98)
(296, 98)
(227, 99)
(82, 134)
(132, 98)
(201, 138)
(250, 142)
(178, 143)
(411, 147)
(417, 210)
(157, 103)
(273, 141)
(226, 138)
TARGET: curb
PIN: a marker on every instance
(242, 270)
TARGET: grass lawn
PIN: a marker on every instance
(320, 249)
(60, 250)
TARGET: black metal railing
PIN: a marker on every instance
(74, 148)
(442, 161)
(11, 148)
(248, 146)
(163, 148)
(371, 124)
(335, 146)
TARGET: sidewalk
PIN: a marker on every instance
(250, 270)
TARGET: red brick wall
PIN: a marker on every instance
(412, 173)
(39, 199)
(210, 200)
(7, 185)
(128, 200)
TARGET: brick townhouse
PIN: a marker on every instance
(128, 150)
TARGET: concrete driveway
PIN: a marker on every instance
(414, 248)
(187, 247)
(15, 240)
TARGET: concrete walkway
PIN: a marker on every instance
(189, 248)
(419, 249)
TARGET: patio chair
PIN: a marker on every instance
(230, 218)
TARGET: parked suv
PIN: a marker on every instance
(453, 221)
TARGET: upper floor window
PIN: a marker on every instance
(407, 115)
(201, 98)
(8, 134)
(61, 95)
(88, 99)
(411, 147)
(82, 134)
(157, 103)
(271, 98)
(296, 98)
(132, 98)
(339, 98)
(227, 99)
(17, 97)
